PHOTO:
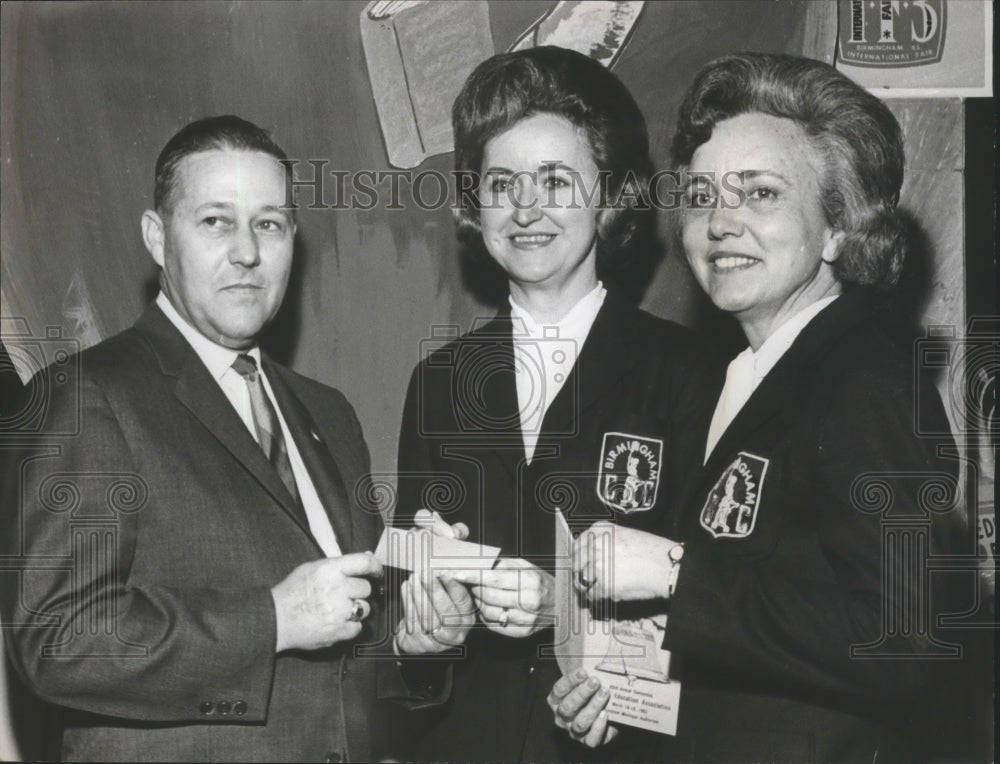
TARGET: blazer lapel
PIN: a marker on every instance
(487, 369)
(605, 358)
(202, 396)
(316, 455)
(781, 383)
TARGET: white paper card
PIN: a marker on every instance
(624, 654)
(418, 549)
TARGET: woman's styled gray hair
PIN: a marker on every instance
(855, 135)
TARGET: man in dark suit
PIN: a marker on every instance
(188, 576)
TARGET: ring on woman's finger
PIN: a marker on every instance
(359, 609)
(504, 618)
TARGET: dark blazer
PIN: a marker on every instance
(142, 554)
(833, 497)
(638, 380)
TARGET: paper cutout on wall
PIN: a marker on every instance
(595, 28)
(78, 311)
(419, 54)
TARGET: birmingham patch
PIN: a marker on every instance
(629, 473)
(732, 505)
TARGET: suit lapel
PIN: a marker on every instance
(201, 395)
(315, 453)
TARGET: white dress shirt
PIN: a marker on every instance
(748, 369)
(544, 355)
(219, 361)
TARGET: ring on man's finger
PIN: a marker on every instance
(504, 618)
(359, 609)
(583, 581)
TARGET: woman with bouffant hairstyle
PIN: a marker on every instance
(521, 416)
(857, 141)
(802, 625)
(510, 87)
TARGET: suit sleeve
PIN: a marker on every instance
(415, 466)
(79, 631)
(794, 616)
(416, 682)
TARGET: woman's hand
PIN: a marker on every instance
(437, 615)
(579, 705)
(515, 599)
(617, 563)
(439, 526)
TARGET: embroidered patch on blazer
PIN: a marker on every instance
(628, 475)
(731, 508)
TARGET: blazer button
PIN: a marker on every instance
(224, 707)
(207, 707)
(531, 669)
(239, 708)
(334, 757)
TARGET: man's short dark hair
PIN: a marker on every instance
(224, 132)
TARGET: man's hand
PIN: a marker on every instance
(616, 563)
(313, 605)
(579, 705)
(437, 615)
(515, 599)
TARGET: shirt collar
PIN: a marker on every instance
(575, 325)
(775, 346)
(217, 359)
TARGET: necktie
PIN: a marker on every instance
(735, 393)
(265, 420)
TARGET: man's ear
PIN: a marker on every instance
(152, 235)
(831, 247)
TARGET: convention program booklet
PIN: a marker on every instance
(620, 645)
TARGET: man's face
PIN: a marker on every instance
(225, 246)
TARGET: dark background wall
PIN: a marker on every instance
(89, 93)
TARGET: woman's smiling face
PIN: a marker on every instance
(538, 215)
(766, 252)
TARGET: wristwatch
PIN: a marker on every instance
(675, 555)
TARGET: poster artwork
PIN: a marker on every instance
(891, 33)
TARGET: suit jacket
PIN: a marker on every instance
(142, 551)
(637, 382)
(801, 609)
